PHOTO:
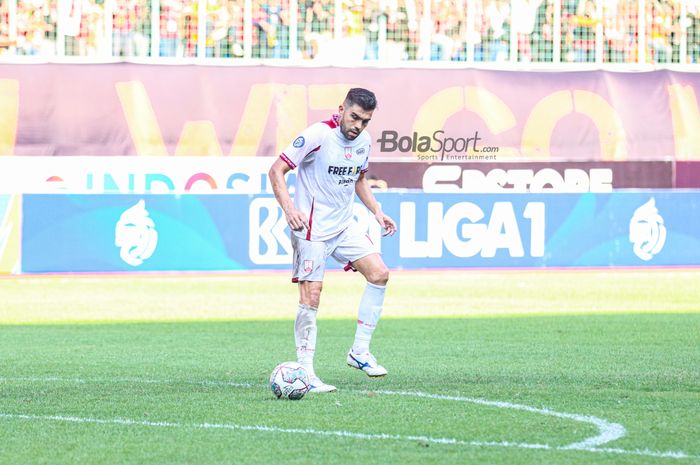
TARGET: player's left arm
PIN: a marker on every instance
(364, 192)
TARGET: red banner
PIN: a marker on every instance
(457, 115)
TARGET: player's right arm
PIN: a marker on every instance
(308, 142)
(296, 219)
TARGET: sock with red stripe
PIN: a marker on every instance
(305, 336)
(368, 315)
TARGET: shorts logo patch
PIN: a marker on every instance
(299, 142)
(308, 265)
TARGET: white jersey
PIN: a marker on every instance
(329, 165)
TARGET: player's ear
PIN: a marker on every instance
(341, 109)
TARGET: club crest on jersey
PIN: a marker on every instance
(348, 153)
(299, 142)
(308, 265)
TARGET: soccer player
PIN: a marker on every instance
(332, 158)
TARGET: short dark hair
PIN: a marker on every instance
(364, 98)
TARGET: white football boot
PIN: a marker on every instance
(316, 385)
(367, 363)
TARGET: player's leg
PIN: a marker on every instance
(305, 328)
(376, 273)
(356, 250)
(309, 267)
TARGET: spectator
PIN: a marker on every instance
(353, 18)
(272, 23)
(615, 30)
(225, 28)
(170, 18)
(693, 32)
(123, 25)
(581, 33)
(5, 40)
(372, 20)
(142, 28)
(235, 30)
(217, 28)
(661, 18)
(497, 25)
(189, 33)
(401, 31)
(318, 28)
(542, 38)
(93, 37)
(447, 20)
(524, 13)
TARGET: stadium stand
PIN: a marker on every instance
(657, 32)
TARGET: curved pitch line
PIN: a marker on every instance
(607, 431)
(342, 434)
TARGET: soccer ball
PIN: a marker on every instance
(289, 380)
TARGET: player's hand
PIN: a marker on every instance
(296, 219)
(387, 223)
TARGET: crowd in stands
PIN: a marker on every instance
(386, 30)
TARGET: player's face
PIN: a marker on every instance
(353, 120)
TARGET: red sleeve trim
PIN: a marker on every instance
(364, 170)
(288, 161)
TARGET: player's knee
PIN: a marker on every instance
(314, 299)
(311, 295)
(379, 277)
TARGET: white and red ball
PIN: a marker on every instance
(289, 380)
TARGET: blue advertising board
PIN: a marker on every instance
(90, 233)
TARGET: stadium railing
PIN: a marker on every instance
(388, 32)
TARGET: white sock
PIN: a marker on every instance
(368, 316)
(305, 336)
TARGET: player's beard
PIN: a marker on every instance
(347, 134)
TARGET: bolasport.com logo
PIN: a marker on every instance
(437, 147)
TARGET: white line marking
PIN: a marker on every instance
(263, 428)
(607, 431)
(129, 380)
(343, 434)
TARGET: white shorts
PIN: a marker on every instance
(309, 262)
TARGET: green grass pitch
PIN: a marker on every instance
(506, 367)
